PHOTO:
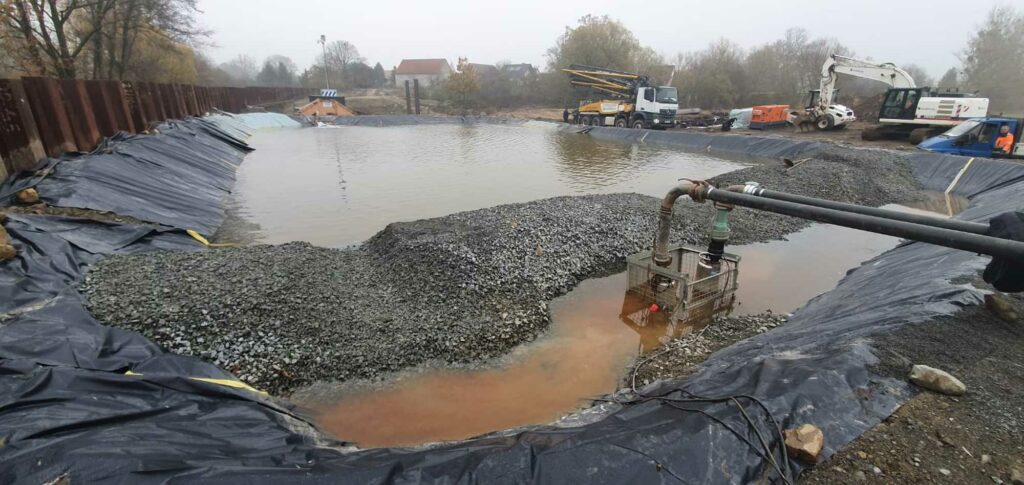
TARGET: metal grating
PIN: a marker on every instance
(687, 289)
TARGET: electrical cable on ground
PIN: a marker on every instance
(765, 450)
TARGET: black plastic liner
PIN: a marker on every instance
(177, 177)
(69, 406)
(734, 147)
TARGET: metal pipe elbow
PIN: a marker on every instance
(661, 256)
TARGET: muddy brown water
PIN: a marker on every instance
(336, 186)
(589, 347)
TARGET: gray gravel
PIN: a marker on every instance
(455, 289)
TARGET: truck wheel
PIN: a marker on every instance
(919, 135)
(620, 123)
(824, 122)
(586, 121)
(638, 125)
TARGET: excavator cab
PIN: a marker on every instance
(901, 103)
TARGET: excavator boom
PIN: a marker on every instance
(887, 73)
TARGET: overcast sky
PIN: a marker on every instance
(929, 33)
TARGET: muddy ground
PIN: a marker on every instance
(975, 438)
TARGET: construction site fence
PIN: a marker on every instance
(46, 117)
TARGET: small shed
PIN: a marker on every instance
(327, 103)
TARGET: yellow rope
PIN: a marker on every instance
(198, 237)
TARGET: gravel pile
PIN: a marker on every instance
(455, 289)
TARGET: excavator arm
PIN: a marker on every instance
(887, 73)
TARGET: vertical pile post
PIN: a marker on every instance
(80, 113)
(416, 93)
(47, 103)
(20, 146)
(408, 99)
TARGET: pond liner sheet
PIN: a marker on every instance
(177, 177)
(98, 404)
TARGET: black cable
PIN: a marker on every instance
(765, 450)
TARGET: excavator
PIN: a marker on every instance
(630, 100)
(907, 111)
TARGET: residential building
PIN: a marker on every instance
(427, 71)
(485, 72)
(518, 71)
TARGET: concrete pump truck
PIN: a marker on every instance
(630, 100)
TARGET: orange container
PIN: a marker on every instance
(767, 116)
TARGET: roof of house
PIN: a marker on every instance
(485, 70)
(423, 66)
(521, 70)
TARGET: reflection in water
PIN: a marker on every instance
(595, 333)
(341, 185)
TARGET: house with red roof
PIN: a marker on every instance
(427, 71)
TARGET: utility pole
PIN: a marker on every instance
(327, 79)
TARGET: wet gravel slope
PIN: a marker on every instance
(456, 289)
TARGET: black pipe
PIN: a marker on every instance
(949, 238)
(954, 224)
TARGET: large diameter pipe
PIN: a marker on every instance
(966, 241)
(661, 256)
(954, 224)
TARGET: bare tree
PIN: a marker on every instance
(994, 59)
(167, 25)
(47, 35)
(341, 53)
(950, 80)
(242, 69)
(920, 75)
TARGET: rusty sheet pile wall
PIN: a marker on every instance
(41, 117)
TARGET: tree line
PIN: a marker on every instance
(161, 40)
(723, 75)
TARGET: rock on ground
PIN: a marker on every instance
(805, 442)
(27, 197)
(937, 380)
(455, 289)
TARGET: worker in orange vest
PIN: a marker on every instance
(1004, 143)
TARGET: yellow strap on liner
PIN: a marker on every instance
(956, 179)
(223, 382)
(199, 237)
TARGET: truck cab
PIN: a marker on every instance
(656, 107)
(977, 138)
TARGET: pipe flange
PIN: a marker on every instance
(699, 190)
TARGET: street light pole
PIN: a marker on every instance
(327, 79)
